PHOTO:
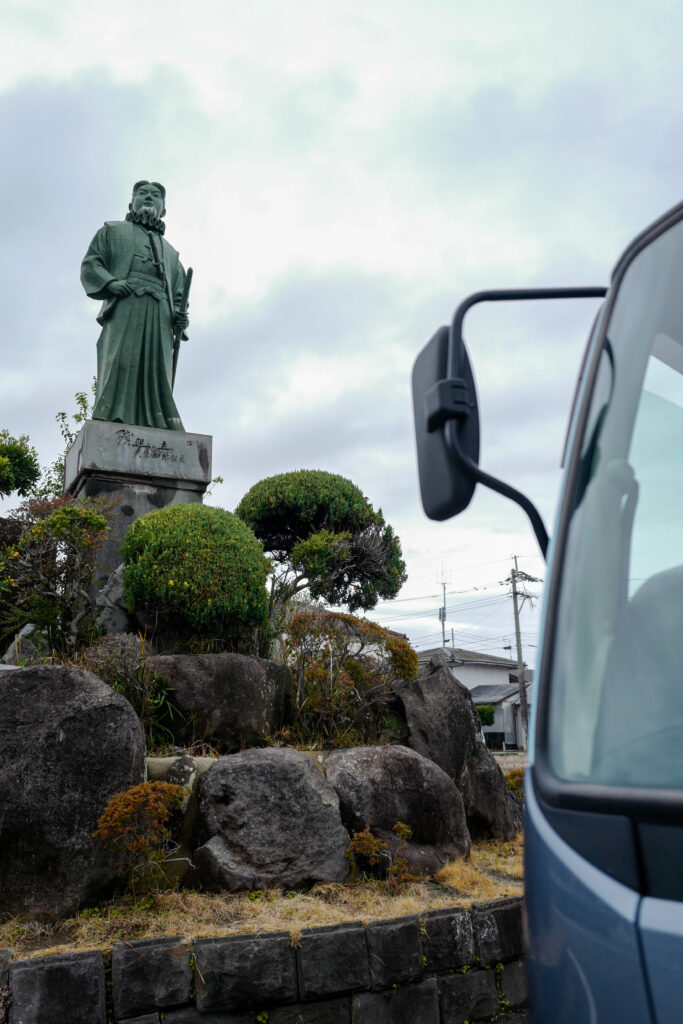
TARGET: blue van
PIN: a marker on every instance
(604, 788)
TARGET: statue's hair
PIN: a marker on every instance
(157, 184)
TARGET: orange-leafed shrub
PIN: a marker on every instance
(134, 828)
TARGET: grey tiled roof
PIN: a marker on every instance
(459, 654)
(494, 693)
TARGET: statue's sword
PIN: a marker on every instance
(157, 252)
(177, 335)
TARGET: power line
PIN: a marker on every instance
(424, 613)
(462, 568)
(449, 593)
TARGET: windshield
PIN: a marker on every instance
(616, 698)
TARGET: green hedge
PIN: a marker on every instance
(199, 567)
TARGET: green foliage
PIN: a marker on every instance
(487, 713)
(19, 467)
(289, 507)
(51, 484)
(514, 780)
(199, 569)
(133, 828)
(403, 831)
(46, 575)
(343, 667)
(324, 536)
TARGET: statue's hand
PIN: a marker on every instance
(120, 288)
(181, 321)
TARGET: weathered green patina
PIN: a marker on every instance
(139, 278)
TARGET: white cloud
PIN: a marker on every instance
(339, 175)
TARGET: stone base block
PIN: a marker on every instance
(513, 985)
(150, 974)
(498, 931)
(410, 1005)
(145, 467)
(55, 989)
(234, 972)
(395, 952)
(467, 997)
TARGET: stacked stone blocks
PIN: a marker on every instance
(445, 967)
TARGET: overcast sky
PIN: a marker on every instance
(340, 174)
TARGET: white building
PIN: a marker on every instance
(490, 680)
(471, 668)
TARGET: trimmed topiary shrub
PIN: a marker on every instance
(324, 537)
(200, 570)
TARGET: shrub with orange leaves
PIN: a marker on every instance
(134, 829)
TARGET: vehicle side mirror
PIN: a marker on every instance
(446, 427)
(447, 417)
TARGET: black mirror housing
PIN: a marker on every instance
(444, 408)
(447, 416)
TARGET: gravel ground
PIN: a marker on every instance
(509, 761)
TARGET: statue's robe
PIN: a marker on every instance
(135, 348)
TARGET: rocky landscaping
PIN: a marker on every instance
(259, 817)
(188, 803)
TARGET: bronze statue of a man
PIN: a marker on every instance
(139, 277)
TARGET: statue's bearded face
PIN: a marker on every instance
(149, 199)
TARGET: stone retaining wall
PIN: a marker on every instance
(445, 967)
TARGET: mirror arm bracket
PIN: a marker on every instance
(438, 410)
(537, 524)
(448, 399)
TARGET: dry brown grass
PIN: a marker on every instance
(494, 870)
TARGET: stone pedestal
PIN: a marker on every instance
(146, 467)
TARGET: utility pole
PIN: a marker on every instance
(442, 610)
(523, 703)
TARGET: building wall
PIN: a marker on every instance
(471, 675)
(507, 723)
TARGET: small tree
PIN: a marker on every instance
(343, 666)
(323, 536)
(19, 466)
(52, 479)
(46, 576)
(199, 570)
(487, 713)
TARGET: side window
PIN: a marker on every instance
(656, 455)
(616, 697)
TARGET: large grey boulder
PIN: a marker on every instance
(380, 786)
(268, 817)
(443, 724)
(229, 700)
(68, 743)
